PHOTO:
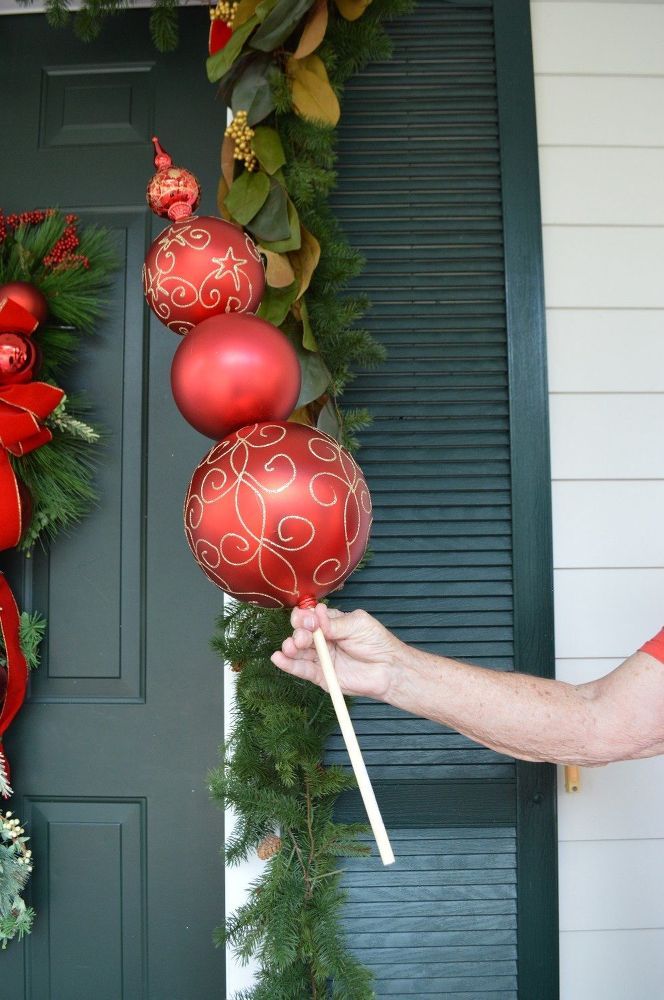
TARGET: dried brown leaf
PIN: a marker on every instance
(314, 30)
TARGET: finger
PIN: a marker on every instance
(303, 638)
(297, 668)
(303, 618)
(336, 624)
(289, 648)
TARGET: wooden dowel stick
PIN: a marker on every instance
(572, 778)
(354, 752)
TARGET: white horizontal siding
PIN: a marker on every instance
(607, 436)
(604, 266)
(599, 90)
(591, 815)
(578, 37)
(600, 110)
(606, 612)
(608, 524)
(618, 186)
(612, 965)
(611, 885)
(606, 350)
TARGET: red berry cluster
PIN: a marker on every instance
(13, 221)
(62, 254)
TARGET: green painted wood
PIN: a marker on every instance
(424, 935)
(438, 189)
(433, 809)
(532, 545)
(124, 718)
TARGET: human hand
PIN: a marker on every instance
(365, 655)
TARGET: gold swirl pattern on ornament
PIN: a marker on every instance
(251, 493)
(167, 291)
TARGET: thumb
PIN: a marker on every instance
(334, 624)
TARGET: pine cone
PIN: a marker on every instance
(268, 847)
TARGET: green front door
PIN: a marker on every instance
(125, 714)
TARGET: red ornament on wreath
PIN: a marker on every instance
(278, 514)
(200, 266)
(19, 358)
(233, 370)
(28, 297)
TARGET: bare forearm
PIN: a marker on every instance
(527, 717)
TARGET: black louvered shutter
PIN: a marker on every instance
(438, 188)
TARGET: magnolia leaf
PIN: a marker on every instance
(316, 65)
(328, 420)
(352, 9)
(314, 30)
(228, 160)
(220, 63)
(308, 339)
(305, 260)
(272, 222)
(252, 92)
(244, 10)
(309, 414)
(264, 8)
(315, 377)
(247, 195)
(230, 78)
(267, 147)
(276, 302)
(278, 269)
(313, 97)
(301, 415)
(301, 313)
(294, 240)
(279, 24)
(222, 191)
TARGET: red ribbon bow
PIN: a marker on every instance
(22, 408)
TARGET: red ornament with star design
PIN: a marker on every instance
(200, 266)
(277, 514)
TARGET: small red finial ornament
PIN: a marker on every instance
(173, 192)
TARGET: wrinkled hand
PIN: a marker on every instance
(364, 653)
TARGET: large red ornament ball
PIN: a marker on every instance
(233, 370)
(200, 267)
(19, 357)
(27, 296)
(277, 514)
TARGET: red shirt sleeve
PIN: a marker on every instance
(655, 646)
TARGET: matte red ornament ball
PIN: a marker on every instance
(28, 296)
(277, 514)
(199, 267)
(19, 357)
(233, 370)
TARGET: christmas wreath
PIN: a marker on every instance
(52, 274)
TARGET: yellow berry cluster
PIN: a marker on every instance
(12, 830)
(242, 134)
(224, 11)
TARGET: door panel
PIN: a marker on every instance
(111, 751)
